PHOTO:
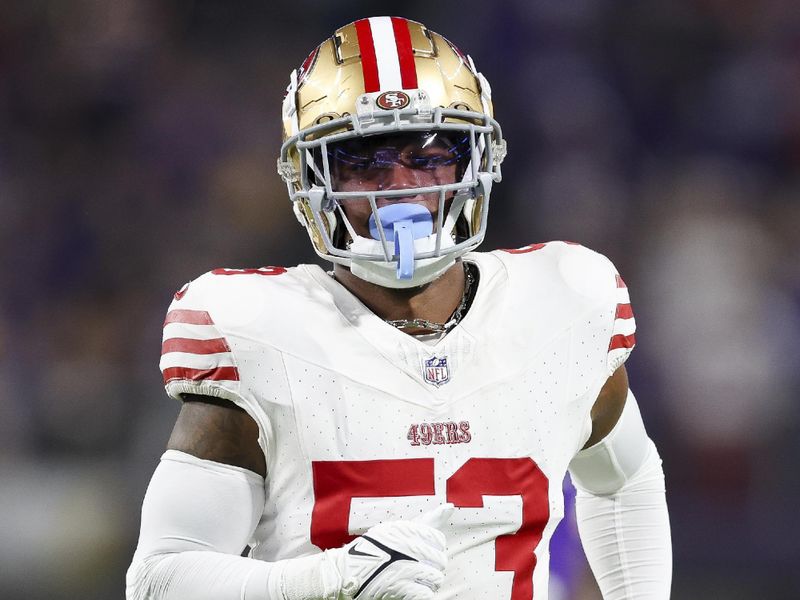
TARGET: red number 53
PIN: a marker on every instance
(336, 483)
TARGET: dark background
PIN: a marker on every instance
(137, 150)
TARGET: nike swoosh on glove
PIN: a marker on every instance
(398, 560)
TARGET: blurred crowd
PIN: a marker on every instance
(137, 150)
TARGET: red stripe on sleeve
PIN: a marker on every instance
(622, 341)
(624, 311)
(188, 317)
(218, 374)
(213, 346)
(405, 53)
(369, 62)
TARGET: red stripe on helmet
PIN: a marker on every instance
(369, 63)
(302, 73)
(405, 53)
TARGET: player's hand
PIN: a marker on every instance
(398, 560)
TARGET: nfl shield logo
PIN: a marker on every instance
(435, 370)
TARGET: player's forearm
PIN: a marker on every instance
(208, 575)
(622, 512)
(626, 537)
(199, 575)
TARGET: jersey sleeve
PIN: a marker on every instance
(623, 331)
(603, 329)
(196, 355)
(611, 327)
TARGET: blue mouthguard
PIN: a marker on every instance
(403, 223)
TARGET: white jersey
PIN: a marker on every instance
(361, 423)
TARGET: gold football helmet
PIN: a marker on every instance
(380, 92)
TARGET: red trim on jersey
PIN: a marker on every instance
(624, 311)
(620, 283)
(258, 271)
(188, 317)
(524, 249)
(182, 292)
(405, 53)
(218, 374)
(369, 62)
(213, 346)
(622, 341)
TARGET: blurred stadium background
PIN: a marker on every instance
(137, 150)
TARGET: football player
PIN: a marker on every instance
(399, 427)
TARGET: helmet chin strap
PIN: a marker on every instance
(402, 230)
(402, 223)
(385, 274)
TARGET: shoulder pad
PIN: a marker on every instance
(582, 270)
(586, 272)
(593, 277)
(196, 352)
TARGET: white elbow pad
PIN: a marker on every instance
(605, 467)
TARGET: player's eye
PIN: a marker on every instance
(349, 160)
(429, 160)
(385, 158)
(425, 163)
(459, 148)
(441, 151)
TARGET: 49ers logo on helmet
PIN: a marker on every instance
(392, 100)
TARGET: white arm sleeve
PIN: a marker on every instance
(197, 517)
(622, 511)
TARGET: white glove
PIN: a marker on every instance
(398, 560)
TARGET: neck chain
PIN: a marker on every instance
(454, 319)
